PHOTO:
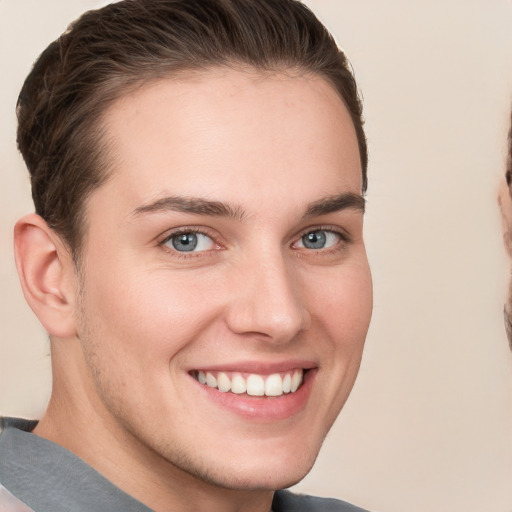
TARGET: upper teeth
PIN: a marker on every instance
(253, 384)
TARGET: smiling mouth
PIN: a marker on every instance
(252, 384)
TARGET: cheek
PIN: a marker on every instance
(342, 313)
(342, 302)
(142, 320)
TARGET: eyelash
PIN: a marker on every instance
(188, 230)
(344, 237)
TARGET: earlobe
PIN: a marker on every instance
(46, 272)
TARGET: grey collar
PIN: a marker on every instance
(49, 478)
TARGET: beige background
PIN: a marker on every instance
(429, 424)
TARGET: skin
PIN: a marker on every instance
(129, 327)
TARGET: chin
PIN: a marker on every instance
(260, 479)
(271, 472)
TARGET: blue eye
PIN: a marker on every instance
(320, 239)
(190, 242)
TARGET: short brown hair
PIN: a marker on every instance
(109, 51)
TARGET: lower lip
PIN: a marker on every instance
(263, 408)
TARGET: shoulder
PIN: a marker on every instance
(285, 501)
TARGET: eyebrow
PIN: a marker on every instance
(199, 206)
(331, 204)
(193, 205)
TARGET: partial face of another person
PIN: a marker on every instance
(505, 202)
(225, 291)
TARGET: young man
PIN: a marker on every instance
(196, 257)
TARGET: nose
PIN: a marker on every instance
(267, 301)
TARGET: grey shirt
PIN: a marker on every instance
(37, 475)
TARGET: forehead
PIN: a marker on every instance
(203, 130)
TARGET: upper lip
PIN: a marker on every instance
(258, 367)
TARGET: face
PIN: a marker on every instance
(225, 291)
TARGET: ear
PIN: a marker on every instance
(47, 275)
